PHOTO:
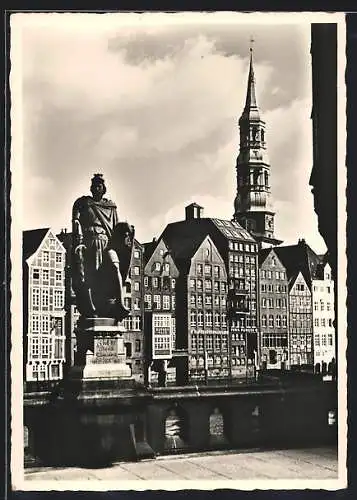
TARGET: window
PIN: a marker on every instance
(137, 345)
(46, 257)
(322, 305)
(216, 271)
(35, 297)
(35, 324)
(323, 322)
(199, 284)
(217, 343)
(277, 275)
(45, 274)
(127, 302)
(136, 270)
(166, 302)
(199, 269)
(216, 319)
(216, 286)
(193, 301)
(208, 284)
(208, 318)
(264, 321)
(224, 342)
(36, 274)
(136, 254)
(208, 300)
(58, 276)
(155, 282)
(200, 342)
(46, 347)
(328, 306)
(136, 324)
(200, 318)
(317, 340)
(146, 281)
(173, 283)
(58, 298)
(193, 318)
(278, 321)
(58, 258)
(316, 306)
(317, 322)
(192, 283)
(193, 342)
(271, 321)
(284, 321)
(34, 347)
(157, 301)
(264, 302)
(208, 269)
(45, 297)
(167, 267)
(199, 301)
(136, 286)
(224, 321)
(323, 339)
(330, 339)
(209, 342)
(45, 324)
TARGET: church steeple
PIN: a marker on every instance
(251, 108)
(253, 206)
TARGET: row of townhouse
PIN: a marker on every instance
(206, 304)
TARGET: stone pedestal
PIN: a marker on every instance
(100, 350)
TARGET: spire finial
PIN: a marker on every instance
(251, 44)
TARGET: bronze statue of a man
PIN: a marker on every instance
(101, 254)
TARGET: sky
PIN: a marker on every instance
(153, 104)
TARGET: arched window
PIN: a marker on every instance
(216, 424)
(175, 429)
(262, 135)
(266, 179)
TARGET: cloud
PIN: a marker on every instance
(155, 110)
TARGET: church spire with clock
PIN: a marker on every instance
(253, 204)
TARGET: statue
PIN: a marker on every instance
(101, 254)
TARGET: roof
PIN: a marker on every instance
(184, 238)
(263, 254)
(233, 230)
(299, 258)
(251, 110)
(31, 240)
(149, 248)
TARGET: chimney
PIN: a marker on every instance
(193, 211)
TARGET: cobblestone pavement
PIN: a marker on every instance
(314, 463)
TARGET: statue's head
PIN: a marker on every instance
(98, 188)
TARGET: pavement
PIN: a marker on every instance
(314, 464)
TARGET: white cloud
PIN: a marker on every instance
(163, 130)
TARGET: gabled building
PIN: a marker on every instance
(238, 250)
(323, 319)
(300, 323)
(201, 313)
(159, 294)
(43, 306)
(274, 311)
(134, 323)
(301, 264)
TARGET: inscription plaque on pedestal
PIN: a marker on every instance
(106, 350)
